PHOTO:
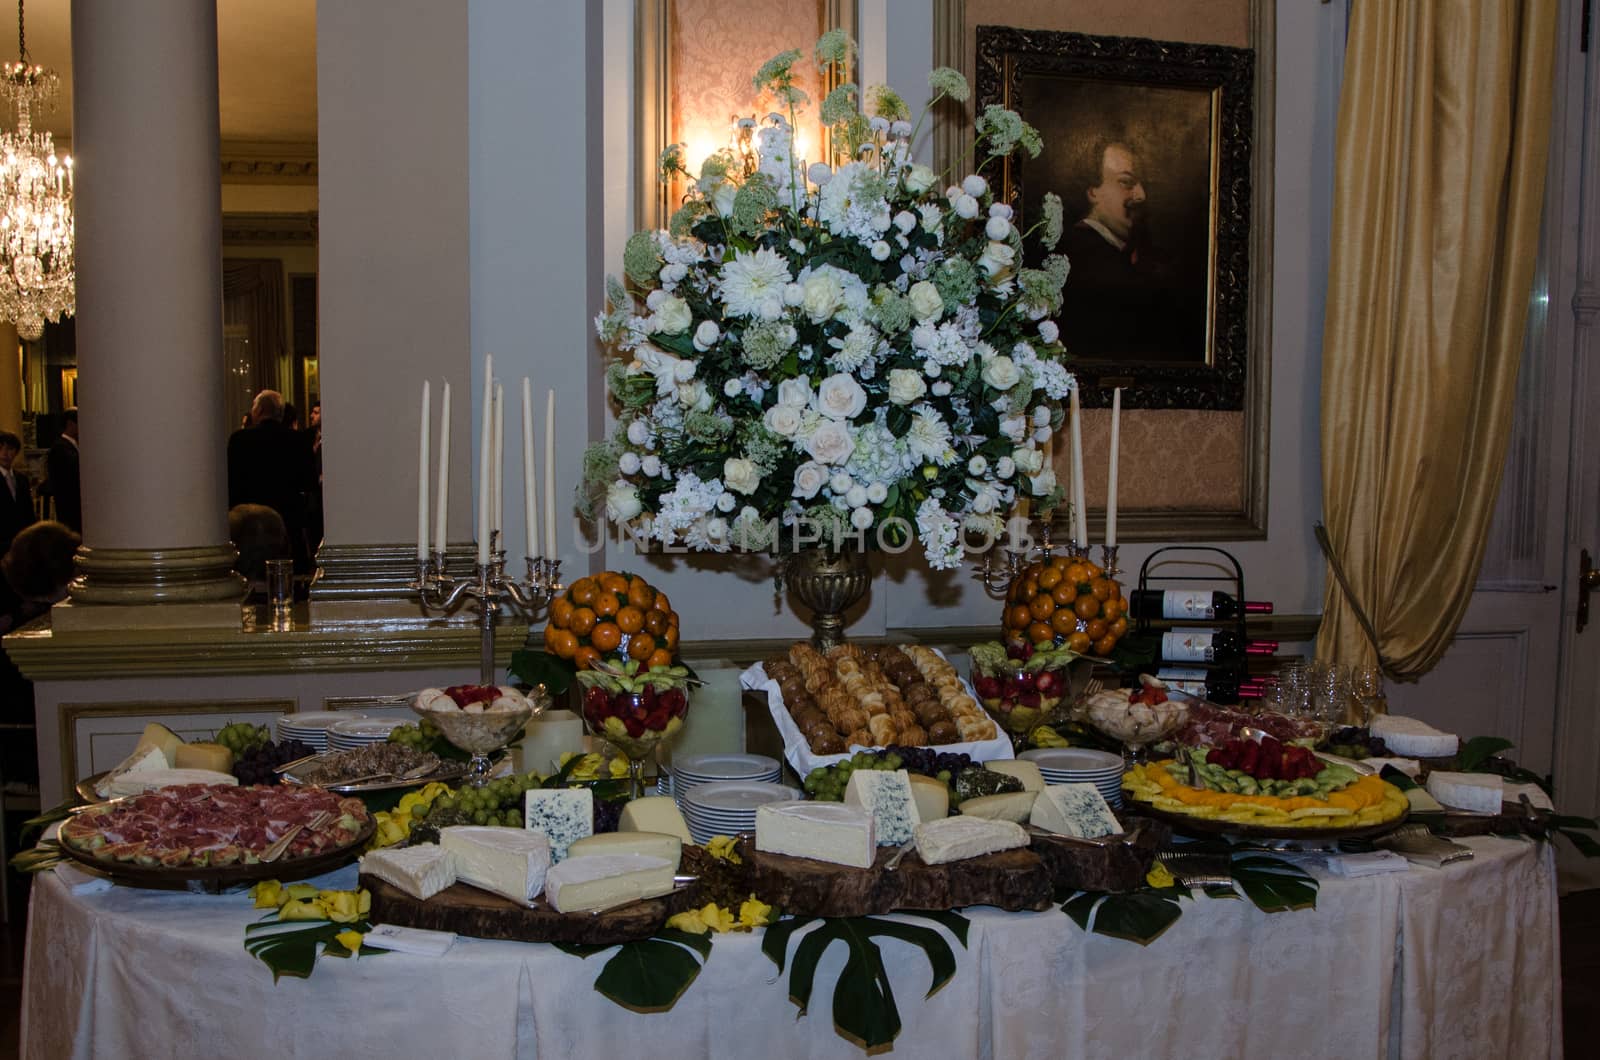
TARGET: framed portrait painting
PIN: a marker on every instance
(1148, 145)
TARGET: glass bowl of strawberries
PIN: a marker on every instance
(634, 708)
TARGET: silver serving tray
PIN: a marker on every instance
(447, 771)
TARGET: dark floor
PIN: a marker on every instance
(1580, 968)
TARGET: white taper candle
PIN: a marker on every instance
(1080, 521)
(529, 501)
(422, 472)
(439, 539)
(498, 515)
(550, 476)
(485, 459)
(1111, 475)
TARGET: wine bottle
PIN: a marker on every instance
(1219, 686)
(1226, 646)
(1187, 604)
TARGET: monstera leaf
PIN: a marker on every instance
(1139, 916)
(290, 947)
(864, 1008)
(1273, 884)
(648, 975)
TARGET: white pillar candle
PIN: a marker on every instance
(1080, 521)
(549, 733)
(485, 459)
(422, 473)
(529, 501)
(550, 476)
(498, 515)
(439, 539)
(1111, 475)
(715, 721)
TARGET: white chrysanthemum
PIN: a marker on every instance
(855, 349)
(929, 437)
(939, 534)
(753, 282)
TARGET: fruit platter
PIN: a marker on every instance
(828, 705)
(1263, 787)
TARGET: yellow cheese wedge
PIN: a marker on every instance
(932, 797)
(1027, 772)
(654, 813)
(158, 737)
(211, 756)
(1012, 806)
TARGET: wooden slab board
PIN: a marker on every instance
(1010, 879)
(469, 911)
(1086, 866)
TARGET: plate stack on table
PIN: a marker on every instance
(1080, 765)
(360, 732)
(690, 771)
(728, 807)
(311, 727)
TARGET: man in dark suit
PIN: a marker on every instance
(271, 465)
(16, 499)
(62, 464)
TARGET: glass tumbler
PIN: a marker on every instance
(280, 590)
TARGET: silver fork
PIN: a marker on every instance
(1196, 870)
(275, 851)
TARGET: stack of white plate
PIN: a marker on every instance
(360, 732)
(728, 807)
(311, 727)
(688, 771)
(1080, 765)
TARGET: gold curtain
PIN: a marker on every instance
(1444, 123)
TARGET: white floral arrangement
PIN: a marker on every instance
(853, 348)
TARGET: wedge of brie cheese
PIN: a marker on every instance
(420, 871)
(505, 861)
(602, 881)
(1011, 806)
(652, 844)
(142, 780)
(957, 838)
(1478, 792)
(824, 831)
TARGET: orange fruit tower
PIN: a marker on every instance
(1069, 601)
(612, 616)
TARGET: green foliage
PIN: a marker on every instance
(291, 947)
(648, 975)
(534, 668)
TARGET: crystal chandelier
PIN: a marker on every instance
(36, 227)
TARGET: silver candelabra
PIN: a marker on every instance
(996, 577)
(491, 589)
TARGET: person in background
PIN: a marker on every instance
(34, 574)
(291, 417)
(61, 464)
(314, 498)
(16, 498)
(259, 534)
(270, 465)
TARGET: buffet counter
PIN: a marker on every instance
(1460, 961)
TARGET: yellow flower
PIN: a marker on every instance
(302, 909)
(268, 894)
(1158, 876)
(754, 913)
(301, 890)
(408, 802)
(723, 848)
(350, 940)
(689, 922)
(364, 901)
(341, 906)
(717, 918)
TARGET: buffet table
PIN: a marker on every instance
(1461, 961)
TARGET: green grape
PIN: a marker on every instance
(480, 816)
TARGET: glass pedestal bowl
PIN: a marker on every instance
(635, 722)
(482, 732)
(1136, 723)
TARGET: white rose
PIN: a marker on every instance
(741, 474)
(931, 369)
(1014, 427)
(683, 371)
(654, 299)
(1028, 461)
(1005, 467)
(722, 199)
(1001, 373)
(733, 388)
(926, 302)
(966, 207)
(706, 335)
(997, 228)
(628, 463)
(919, 178)
(821, 295)
(796, 392)
(974, 185)
(983, 502)
(977, 465)
(1041, 416)
(819, 173)
(726, 502)
(1043, 482)
(841, 397)
(841, 482)
(877, 493)
(673, 315)
(905, 386)
(622, 502)
(782, 419)
(1000, 209)
(996, 259)
(638, 432)
(1048, 331)
(856, 496)
(651, 465)
(793, 294)
(831, 443)
(695, 396)
(905, 220)
(861, 518)
(809, 478)
(941, 389)
(880, 251)
(675, 272)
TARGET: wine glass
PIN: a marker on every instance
(1366, 685)
(634, 711)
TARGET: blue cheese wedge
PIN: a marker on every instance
(1074, 809)
(958, 838)
(1478, 792)
(600, 881)
(654, 813)
(887, 796)
(420, 871)
(504, 861)
(651, 844)
(823, 831)
(561, 815)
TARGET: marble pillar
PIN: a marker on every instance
(149, 259)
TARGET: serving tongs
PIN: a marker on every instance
(301, 761)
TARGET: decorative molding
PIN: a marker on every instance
(69, 714)
(156, 576)
(265, 163)
(255, 228)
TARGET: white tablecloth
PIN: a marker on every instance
(1458, 962)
